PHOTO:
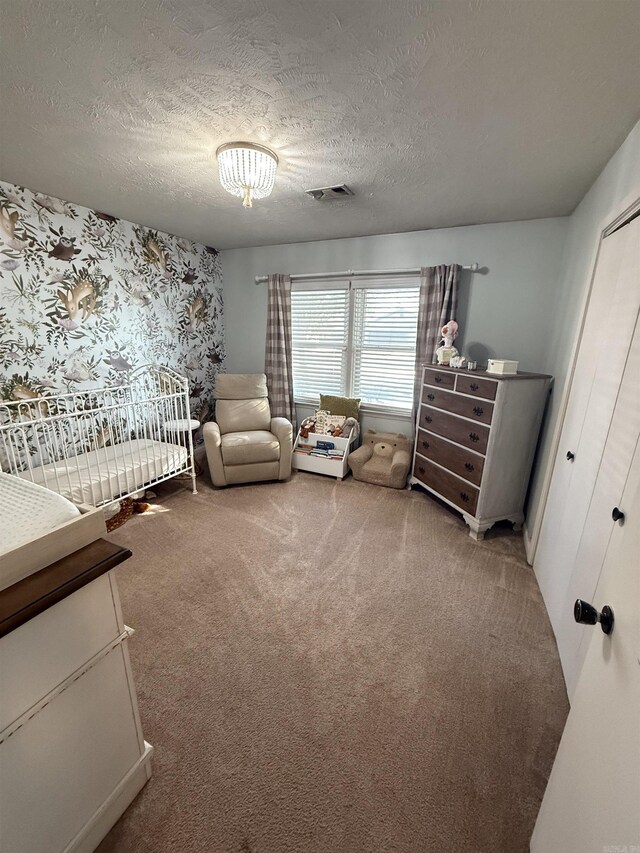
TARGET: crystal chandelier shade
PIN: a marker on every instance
(247, 170)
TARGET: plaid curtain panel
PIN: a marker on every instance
(277, 357)
(438, 304)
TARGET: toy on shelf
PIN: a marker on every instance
(447, 351)
(308, 425)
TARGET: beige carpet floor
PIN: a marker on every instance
(328, 667)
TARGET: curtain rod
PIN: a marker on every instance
(261, 279)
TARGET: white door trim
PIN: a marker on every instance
(625, 209)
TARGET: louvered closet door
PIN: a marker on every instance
(601, 361)
(592, 801)
(621, 440)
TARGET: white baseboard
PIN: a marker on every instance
(529, 549)
(114, 806)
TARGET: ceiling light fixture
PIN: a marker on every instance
(247, 170)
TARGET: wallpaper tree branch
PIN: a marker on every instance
(86, 297)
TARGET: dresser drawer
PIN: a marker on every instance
(54, 644)
(67, 760)
(484, 388)
(475, 436)
(457, 459)
(461, 494)
(475, 410)
(439, 378)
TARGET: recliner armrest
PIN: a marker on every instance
(213, 447)
(211, 434)
(283, 431)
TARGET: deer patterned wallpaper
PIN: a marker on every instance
(85, 297)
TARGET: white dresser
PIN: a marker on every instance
(72, 754)
(475, 440)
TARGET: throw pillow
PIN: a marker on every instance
(347, 406)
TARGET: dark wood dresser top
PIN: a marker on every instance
(41, 590)
(484, 375)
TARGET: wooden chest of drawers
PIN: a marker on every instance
(475, 440)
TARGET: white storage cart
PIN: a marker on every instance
(334, 466)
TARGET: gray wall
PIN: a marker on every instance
(503, 312)
(619, 180)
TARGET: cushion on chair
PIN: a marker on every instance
(242, 448)
(240, 386)
(243, 415)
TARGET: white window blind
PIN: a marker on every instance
(384, 345)
(355, 339)
(319, 334)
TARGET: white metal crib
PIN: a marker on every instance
(104, 444)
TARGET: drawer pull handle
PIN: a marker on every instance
(474, 386)
(438, 379)
(464, 496)
(474, 436)
(478, 410)
(421, 469)
(425, 444)
(469, 466)
(428, 418)
(431, 396)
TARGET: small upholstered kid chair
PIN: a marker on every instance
(383, 459)
(245, 444)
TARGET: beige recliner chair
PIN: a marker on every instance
(246, 444)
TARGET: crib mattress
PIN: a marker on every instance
(28, 511)
(99, 476)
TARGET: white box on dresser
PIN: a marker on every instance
(476, 436)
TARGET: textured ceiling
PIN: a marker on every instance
(435, 113)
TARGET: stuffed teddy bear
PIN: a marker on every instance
(383, 459)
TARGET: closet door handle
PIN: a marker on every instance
(617, 515)
(570, 456)
(586, 614)
(469, 466)
(474, 436)
(431, 396)
(478, 410)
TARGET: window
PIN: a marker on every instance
(356, 339)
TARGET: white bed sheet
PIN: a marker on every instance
(101, 475)
(28, 511)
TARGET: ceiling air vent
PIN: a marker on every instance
(329, 193)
